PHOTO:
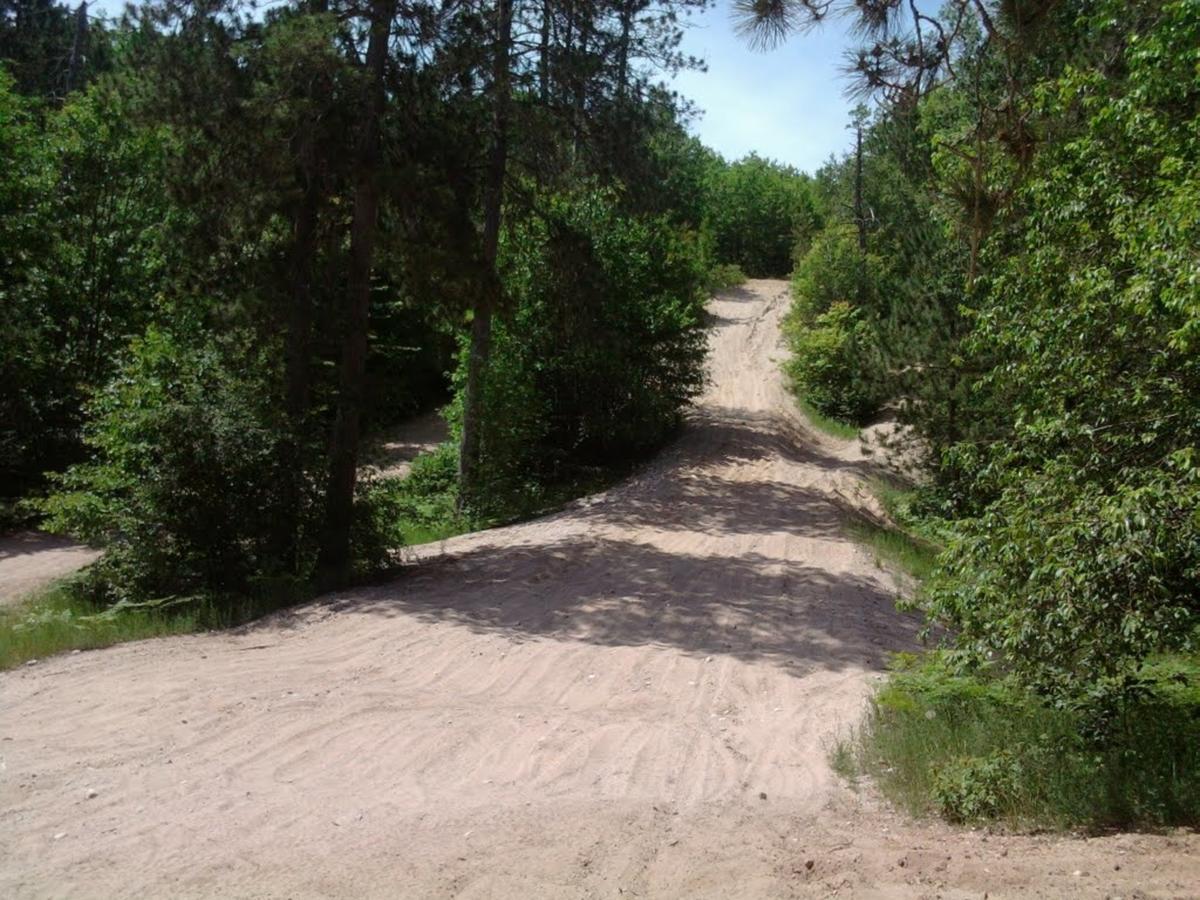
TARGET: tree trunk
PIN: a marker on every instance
(78, 42)
(300, 312)
(544, 54)
(579, 101)
(296, 375)
(860, 215)
(343, 450)
(470, 449)
(310, 180)
(623, 50)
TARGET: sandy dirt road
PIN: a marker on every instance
(32, 559)
(397, 448)
(631, 698)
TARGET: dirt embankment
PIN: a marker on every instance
(631, 698)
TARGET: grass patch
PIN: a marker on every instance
(61, 618)
(974, 748)
(415, 533)
(908, 541)
(897, 546)
(66, 616)
(390, 512)
(827, 424)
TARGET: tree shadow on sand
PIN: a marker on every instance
(687, 582)
(620, 593)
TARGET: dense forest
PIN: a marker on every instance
(1010, 266)
(238, 243)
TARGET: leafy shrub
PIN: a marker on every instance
(971, 788)
(434, 473)
(81, 254)
(415, 509)
(834, 270)
(185, 487)
(1073, 581)
(1086, 556)
(824, 367)
(724, 276)
(602, 347)
(830, 328)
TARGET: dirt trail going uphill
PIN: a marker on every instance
(629, 698)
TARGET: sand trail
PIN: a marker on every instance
(632, 697)
(32, 559)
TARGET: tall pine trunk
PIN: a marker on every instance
(544, 53)
(297, 376)
(470, 449)
(623, 52)
(334, 557)
(78, 43)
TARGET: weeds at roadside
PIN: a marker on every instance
(829, 425)
(974, 748)
(906, 541)
(893, 544)
(979, 747)
(391, 513)
(66, 616)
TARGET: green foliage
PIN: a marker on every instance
(1070, 581)
(757, 210)
(834, 270)
(724, 276)
(81, 216)
(972, 788)
(1087, 557)
(830, 328)
(184, 488)
(980, 747)
(603, 346)
(416, 509)
(824, 365)
(36, 39)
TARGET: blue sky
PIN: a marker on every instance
(788, 104)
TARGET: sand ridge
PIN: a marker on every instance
(632, 697)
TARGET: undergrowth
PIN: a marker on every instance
(907, 540)
(724, 276)
(391, 513)
(831, 426)
(975, 748)
(68, 615)
(978, 746)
